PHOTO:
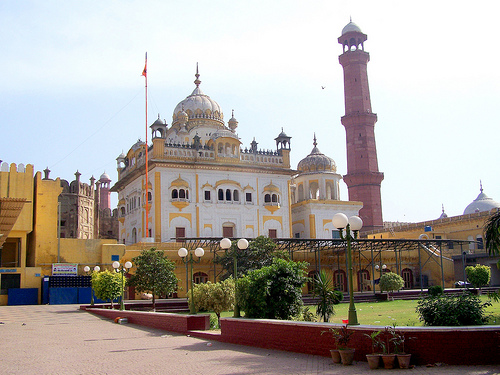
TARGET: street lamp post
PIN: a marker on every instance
(225, 244)
(354, 223)
(183, 253)
(87, 270)
(122, 269)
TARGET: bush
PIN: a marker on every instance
(216, 297)
(391, 281)
(273, 292)
(452, 310)
(435, 290)
(478, 275)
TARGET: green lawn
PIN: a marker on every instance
(399, 312)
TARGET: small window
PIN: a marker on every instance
(275, 198)
(267, 198)
(207, 195)
(297, 235)
(228, 195)
(335, 234)
(220, 194)
(150, 196)
(236, 196)
(248, 197)
(273, 233)
(175, 194)
(182, 194)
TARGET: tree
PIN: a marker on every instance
(323, 288)
(260, 253)
(492, 234)
(479, 275)
(154, 274)
(390, 282)
(216, 297)
(107, 285)
(273, 292)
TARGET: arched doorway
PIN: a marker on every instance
(340, 280)
(363, 281)
(310, 284)
(407, 275)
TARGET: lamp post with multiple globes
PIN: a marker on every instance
(183, 253)
(122, 269)
(242, 244)
(87, 270)
(354, 224)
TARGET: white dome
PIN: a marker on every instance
(104, 177)
(198, 105)
(316, 162)
(351, 26)
(481, 203)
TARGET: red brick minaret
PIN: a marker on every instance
(363, 178)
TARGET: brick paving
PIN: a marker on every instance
(60, 339)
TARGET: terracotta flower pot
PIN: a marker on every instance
(347, 356)
(389, 360)
(404, 360)
(335, 355)
(373, 361)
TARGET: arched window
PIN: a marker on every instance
(274, 198)
(267, 198)
(236, 196)
(220, 194)
(175, 194)
(122, 210)
(200, 277)
(228, 195)
(134, 235)
(182, 194)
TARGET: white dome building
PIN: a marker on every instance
(315, 197)
(481, 203)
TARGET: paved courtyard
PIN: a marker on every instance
(60, 339)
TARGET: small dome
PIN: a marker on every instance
(481, 203)
(232, 123)
(197, 105)
(158, 121)
(351, 26)
(316, 162)
(104, 177)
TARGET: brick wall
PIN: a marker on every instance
(453, 346)
(169, 322)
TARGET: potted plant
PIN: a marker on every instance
(342, 336)
(398, 341)
(387, 357)
(374, 358)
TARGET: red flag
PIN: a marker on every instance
(145, 71)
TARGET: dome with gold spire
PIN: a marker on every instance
(197, 106)
(316, 162)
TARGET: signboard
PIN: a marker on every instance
(64, 269)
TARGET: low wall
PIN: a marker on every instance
(167, 321)
(474, 345)
(454, 346)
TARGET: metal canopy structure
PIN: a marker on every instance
(367, 253)
(10, 209)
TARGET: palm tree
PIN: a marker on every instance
(323, 288)
(492, 234)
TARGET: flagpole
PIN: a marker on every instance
(145, 74)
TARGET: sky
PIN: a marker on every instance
(72, 96)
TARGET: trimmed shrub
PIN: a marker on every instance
(452, 310)
(435, 290)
